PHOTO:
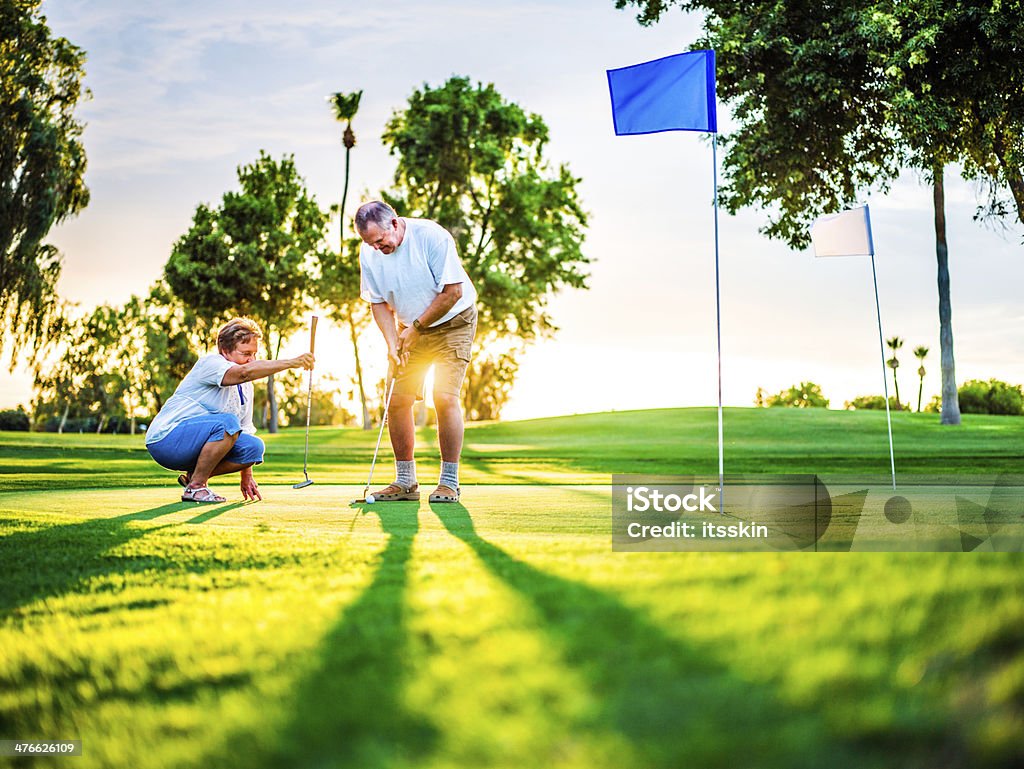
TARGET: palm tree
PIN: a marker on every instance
(346, 105)
(349, 310)
(894, 344)
(920, 353)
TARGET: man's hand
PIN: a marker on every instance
(398, 356)
(250, 489)
(406, 341)
(306, 361)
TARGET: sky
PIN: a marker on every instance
(185, 92)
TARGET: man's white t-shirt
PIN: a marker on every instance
(412, 276)
(200, 394)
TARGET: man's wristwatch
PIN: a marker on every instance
(417, 325)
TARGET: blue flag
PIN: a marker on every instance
(676, 93)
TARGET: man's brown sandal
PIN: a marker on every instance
(445, 494)
(395, 492)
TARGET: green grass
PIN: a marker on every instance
(503, 632)
(579, 449)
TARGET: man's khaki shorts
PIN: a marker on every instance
(448, 348)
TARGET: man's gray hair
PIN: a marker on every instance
(376, 211)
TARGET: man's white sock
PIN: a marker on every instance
(450, 475)
(405, 473)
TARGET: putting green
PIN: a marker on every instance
(305, 632)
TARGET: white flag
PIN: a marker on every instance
(847, 233)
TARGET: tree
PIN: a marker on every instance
(475, 163)
(325, 409)
(117, 362)
(42, 165)
(835, 98)
(489, 385)
(920, 353)
(345, 107)
(253, 255)
(338, 287)
(991, 397)
(806, 395)
(872, 402)
(59, 383)
(894, 344)
(15, 420)
(84, 377)
(966, 58)
(174, 339)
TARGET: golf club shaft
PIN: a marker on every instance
(309, 406)
(309, 399)
(383, 424)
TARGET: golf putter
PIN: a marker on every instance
(383, 424)
(309, 407)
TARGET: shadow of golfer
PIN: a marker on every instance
(674, 702)
(213, 511)
(53, 560)
(348, 711)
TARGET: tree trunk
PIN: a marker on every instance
(344, 197)
(271, 396)
(64, 418)
(271, 405)
(359, 372)
(1016, 183)
(103, 420)
(1014, 178)
(950, 402)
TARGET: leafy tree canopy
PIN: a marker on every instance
(252, 255)
(42, 166)
(833, 98)
(474, 162)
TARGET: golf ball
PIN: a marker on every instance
(370, 499)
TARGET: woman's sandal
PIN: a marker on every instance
(444, 494)
(201, 494)
(395, 492)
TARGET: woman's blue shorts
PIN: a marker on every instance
(179, 449)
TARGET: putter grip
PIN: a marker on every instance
(312, 334)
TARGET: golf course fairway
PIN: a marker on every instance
(306, 631)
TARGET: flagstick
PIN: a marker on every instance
(885, 383)
(718, 323)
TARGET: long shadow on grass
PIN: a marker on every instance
(348, 712)
(54, 560)
(675, 703)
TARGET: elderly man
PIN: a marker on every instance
(206, 428)
(425, 307)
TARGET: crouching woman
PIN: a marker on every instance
(205, 428)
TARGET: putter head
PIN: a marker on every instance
(303, 484)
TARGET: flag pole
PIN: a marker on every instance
(718, 324)
(885, 383)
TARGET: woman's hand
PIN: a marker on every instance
(250, 489)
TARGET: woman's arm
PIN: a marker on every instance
(259, 369)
